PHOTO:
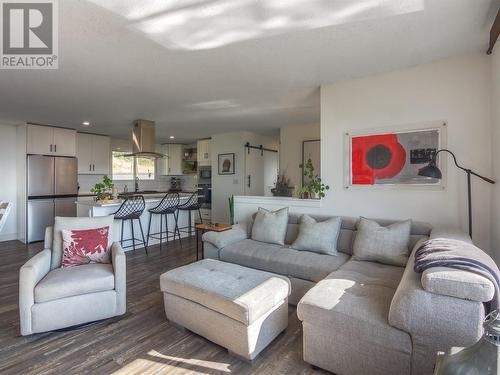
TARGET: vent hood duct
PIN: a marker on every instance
(143, 140)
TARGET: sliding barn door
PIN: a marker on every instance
(261, 171)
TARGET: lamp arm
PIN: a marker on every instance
(462, 168)
(454, 158)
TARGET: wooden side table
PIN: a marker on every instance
(211, 227)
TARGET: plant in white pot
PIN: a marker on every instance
(314, 188)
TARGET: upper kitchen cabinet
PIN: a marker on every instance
(204, 155)
(173, 161)
(46, 140)
(93, 153)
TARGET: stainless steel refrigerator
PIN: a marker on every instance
(52, 191)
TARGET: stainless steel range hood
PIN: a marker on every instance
(143, 140)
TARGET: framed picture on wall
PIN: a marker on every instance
(226, 164)
(392, 157)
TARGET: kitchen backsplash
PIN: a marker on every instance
(161, 183)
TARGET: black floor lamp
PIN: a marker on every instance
(431, 170)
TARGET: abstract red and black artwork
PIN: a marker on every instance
(392, 158)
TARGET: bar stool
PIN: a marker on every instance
(167, 206)
(132, 209)
(190, 205)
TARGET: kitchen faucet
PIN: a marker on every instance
(136, 184)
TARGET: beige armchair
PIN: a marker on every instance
(51, 297)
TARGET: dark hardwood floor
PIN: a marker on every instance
(139, 342)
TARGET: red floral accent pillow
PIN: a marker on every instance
(85, 246)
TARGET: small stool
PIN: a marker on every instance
(190, 205)
(167, 206)
(132, 209)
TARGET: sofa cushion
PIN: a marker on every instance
(319, 237)
(75, 223)
(458, 283)
(73, 281)
(240, 293)
(387, 245)
(270, 226)
(284, 261)
(354, 301)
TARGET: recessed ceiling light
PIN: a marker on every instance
(172, 137)
(86, 123)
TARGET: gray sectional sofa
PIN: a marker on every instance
(363, 317)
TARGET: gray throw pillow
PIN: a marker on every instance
(270, 226)
(387, 245)
(319, 237)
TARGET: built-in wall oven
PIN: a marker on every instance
(205, 195)
(205, 175)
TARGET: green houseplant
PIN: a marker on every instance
(231, 210)
(102, 190)
(314, 187)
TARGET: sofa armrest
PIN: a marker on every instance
(30, 275)
(119, 261)
(435, 322)
(221, 239)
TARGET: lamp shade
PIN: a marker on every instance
(430, 170)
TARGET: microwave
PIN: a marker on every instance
(205, 173)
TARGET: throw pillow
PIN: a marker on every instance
(85, 246)
(319, 237)
(270, 226)
(387, 245)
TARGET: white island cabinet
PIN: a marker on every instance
(90, 208)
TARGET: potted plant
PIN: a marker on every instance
(282, 187)
(231, 210)
(315, 188)
(103, 189)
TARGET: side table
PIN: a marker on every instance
(210, 227)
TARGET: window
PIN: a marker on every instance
(127, 167)
(122, 166)
(145, 169)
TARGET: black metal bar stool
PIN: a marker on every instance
(167, 206)
(191, 204)
(132, 209)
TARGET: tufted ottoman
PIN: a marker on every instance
(239, 308)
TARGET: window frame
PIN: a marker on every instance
(134, 168)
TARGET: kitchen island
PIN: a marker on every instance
(91, 208)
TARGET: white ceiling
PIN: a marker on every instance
(199, 67)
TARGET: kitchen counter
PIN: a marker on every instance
(117, 202)
(91, 208)
(149, 193)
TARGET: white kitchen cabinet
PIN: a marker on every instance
(204, 155)
(101, 154)
(93, 153)
(64, 142)
(172, 163)
(47, 140)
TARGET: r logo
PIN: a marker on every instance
(27, 28)
(29, 34)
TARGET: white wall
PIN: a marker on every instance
(495, 111)
(291, 138)
(224, 186)
(8, 187)
(456, 90)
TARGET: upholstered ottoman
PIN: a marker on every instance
(239, 308)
